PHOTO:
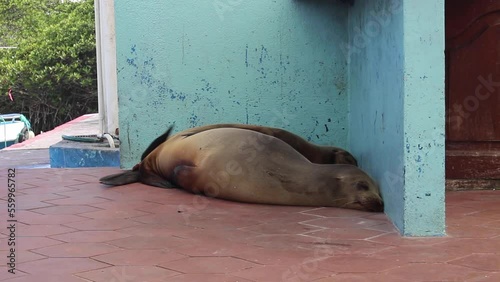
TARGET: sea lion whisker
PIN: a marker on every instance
(349, 203)
(339, 199)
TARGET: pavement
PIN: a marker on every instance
(71, 228)
(83, 125)
(34, 153)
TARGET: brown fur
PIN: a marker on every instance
(314, 153)
(248, 166)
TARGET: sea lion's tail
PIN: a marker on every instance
(129, 176)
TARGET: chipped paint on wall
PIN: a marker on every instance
(282, 66)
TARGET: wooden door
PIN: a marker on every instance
(473, 89)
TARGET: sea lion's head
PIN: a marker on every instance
(357, 190)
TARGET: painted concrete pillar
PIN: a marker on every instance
(424, 118)
(396, 83)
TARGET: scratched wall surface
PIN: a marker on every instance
(276, 63)
(397, 107)
(376, 97)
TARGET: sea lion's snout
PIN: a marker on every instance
(374, 205)
(368, 196)
(368, 201)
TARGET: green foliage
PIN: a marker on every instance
(52, 72)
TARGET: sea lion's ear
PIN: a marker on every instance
(122, 178)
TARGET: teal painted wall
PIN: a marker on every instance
(424, 118)
(396, 81)
(276, 63)
(368, 77)
(376, 54)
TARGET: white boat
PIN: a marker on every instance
(14, 128)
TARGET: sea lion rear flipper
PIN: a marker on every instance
(159, 140)
(122, 178)
(343, 157)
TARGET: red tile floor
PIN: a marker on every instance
(71, 228)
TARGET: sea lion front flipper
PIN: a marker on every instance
(157, 181)
(185, 176)
(122, 178)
